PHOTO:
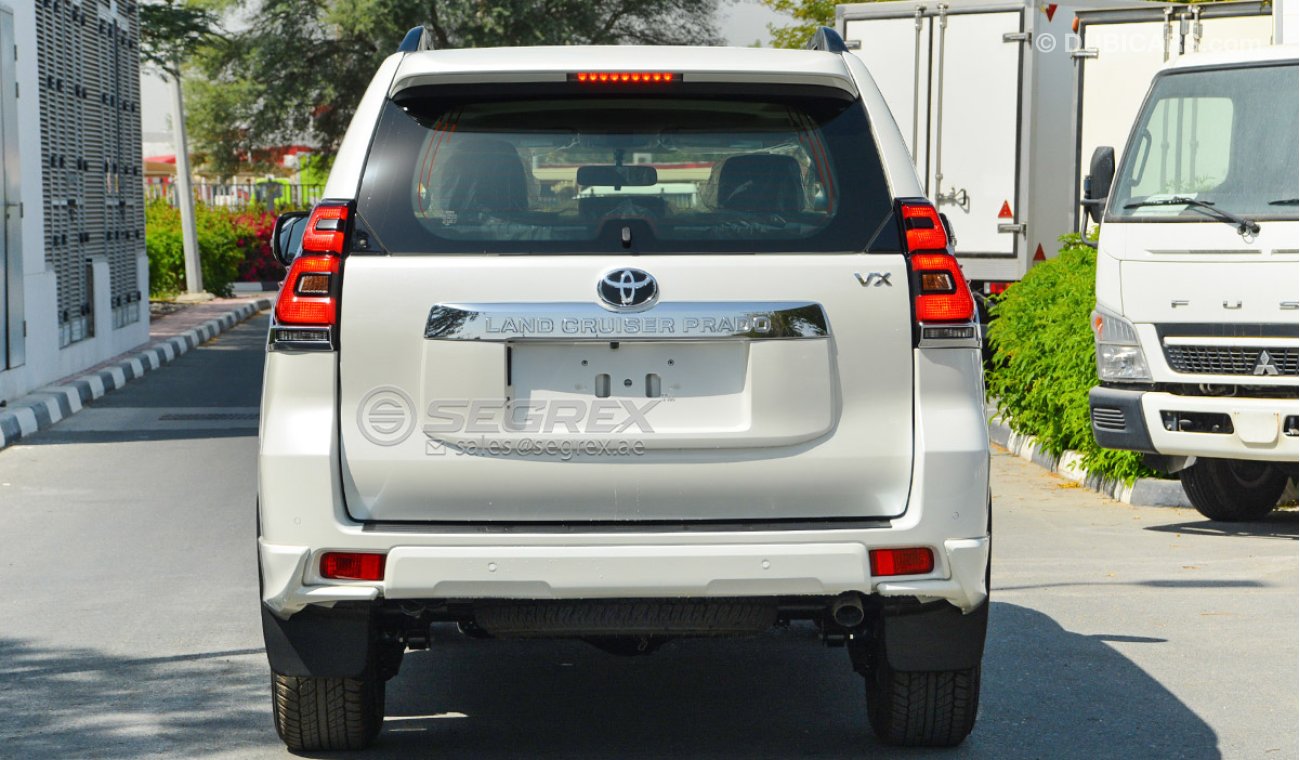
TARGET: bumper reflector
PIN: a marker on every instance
(352, 566)
(887, 562)
(954, 332)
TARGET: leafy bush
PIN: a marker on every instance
(162, 241)
(233, 245)
(259, 265)
(1044, 361)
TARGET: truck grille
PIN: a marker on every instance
(1231, 360)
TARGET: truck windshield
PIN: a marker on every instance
(552, 173)
(1226, 138)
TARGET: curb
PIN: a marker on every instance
(1144, 492)
(45, 406)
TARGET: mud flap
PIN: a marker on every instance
(933, 637)
(319, 642)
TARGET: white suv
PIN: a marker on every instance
(622, 344)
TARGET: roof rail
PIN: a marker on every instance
(827, 39)
(419, 38)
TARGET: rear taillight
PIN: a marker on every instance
(326, 229)
(942, 293)
(308, 296)
(352, 566)
(887, 562)
(308, 306)
(923, 228)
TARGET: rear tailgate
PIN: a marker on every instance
(504, 357)
(505, 417)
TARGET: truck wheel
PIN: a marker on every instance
(1233, 490)
(325, 714)
(922, 709)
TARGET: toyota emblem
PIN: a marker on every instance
(628, 289)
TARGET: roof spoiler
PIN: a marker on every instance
(826, 39)
(419, 38)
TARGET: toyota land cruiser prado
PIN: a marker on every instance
(622, 344)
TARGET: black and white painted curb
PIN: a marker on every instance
(1143, 492)
(46, 406)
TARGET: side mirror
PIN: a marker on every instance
(1096, 186)
(947, 228)
(286, 236)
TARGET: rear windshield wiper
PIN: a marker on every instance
(1285, 202)
(1244, 225)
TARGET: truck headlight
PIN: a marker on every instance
(1119, 355)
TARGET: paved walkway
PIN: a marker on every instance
(170, 336)
(178, 323)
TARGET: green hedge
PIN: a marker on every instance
(1044, 362)
(233, 245)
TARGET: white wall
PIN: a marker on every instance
(1286, 15)
(45, 361)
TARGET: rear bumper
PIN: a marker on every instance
(1135, 421)
(607, 571)
(303, 515)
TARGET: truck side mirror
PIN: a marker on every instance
(1096, 186)
(286, 236)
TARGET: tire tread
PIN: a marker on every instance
(1213, 489)
(327, 714)
(919, 709)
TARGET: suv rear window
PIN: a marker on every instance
(554, 172)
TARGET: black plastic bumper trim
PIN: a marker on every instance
(1109, 405)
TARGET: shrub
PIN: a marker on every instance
(1044, 361)
(258, 264)
(162, 242)
(232, 245)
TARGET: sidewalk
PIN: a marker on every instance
(1143, 492)
(169, 337)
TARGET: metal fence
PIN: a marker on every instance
(239, 195)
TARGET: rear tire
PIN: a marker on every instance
(1233, 490)
(922, 709)
(327, 714)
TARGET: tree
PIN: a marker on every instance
(171, 31)
(808, 15)
(298, 70)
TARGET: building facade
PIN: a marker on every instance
(74, 285)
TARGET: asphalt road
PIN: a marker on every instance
(129, 624)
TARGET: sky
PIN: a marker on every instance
(742, 23)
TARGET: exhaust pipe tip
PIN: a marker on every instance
(847, 611)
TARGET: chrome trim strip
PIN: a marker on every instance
(686, 320)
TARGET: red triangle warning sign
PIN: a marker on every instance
(1050, 10)
(1039, 255)
(1005, 213)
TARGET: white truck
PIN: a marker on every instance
(1197, 322)
(998, 100)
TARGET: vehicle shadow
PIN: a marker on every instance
(61, 703)
(1047, 693)
(1280, 523)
